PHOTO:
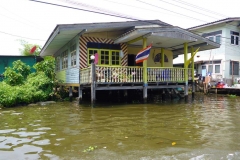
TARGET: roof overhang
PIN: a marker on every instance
(171, 38)
(64, 33)
(222, 21)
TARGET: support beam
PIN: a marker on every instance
(186, 70)
(162, 57)
(93, 90)
(80, 94)
(192, 65)
(145, 85)
(70, 93)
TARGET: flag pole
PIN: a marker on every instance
(145, 85)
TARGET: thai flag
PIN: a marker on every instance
(143, 54)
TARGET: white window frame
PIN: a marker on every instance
(73, 55)
(57, 63)
(214, 38)
(65, 59)
(234, 38)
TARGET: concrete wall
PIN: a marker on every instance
(151, 63)
(225, 53)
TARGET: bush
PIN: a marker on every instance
(20, 87)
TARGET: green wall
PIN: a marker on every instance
(6, 61)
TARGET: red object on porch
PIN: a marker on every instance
(33, 49)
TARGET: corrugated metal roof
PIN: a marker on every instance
(67, 31)
(216, 22)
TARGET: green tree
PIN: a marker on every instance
(25, 51)
(16, 74)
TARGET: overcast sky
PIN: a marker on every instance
(34, 22)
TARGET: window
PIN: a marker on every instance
(234, 37)
(218, 39)
(91, 52)
(105, 56)
(115, 58)
(108, 54)
(215, 38)
(57, 60)
(234, 67)
(210, 68)
(73, 55)
(217, 68)
(64, 59)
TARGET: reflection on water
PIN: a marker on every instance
(207, 128)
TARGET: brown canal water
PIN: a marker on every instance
(204, 129)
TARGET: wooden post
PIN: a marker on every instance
(193, 81)
(125, 95)
(162, 57)
(70, 94)
(186, 70)
(232, 74)
(163, 95)
(80, 94)
(93, 91)
(145, 84)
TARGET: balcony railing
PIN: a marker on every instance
(119, 74)
(127, 74)
(167, 74)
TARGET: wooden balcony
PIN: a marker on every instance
(128, 74)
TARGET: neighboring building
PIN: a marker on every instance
(222, 63)
(115, 45)
(7, 60)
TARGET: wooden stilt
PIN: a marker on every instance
(80, 94)
(192, 65)
(163, 95)
(145, 93)
(125, 95)
(93, 91)
(186, 70)
(70, 94)
(193, 89)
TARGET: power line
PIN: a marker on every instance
(188, 9)
(21, 36)
(35, 25)
(171, 11)
(95, 8)
(132, 6)
(108, 14)
(200, 8)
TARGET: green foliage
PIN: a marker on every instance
(21, 68)
(47, 66)
(25, 51)
(20, 87)
(12, 77)
(16, 75)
